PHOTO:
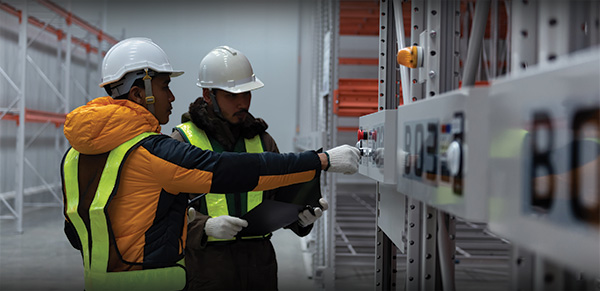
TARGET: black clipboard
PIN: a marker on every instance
(305, 194)
(271, 215)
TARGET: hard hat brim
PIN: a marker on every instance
(173, 75)
(249, 86)
(176, 74)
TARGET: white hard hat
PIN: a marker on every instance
(227, 69)
(134, 54)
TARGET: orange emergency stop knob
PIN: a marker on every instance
(409, 57)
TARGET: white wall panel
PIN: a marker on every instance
(265, 31)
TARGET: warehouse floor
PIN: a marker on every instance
(41, 258)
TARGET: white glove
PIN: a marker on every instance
(305, 218)
(343, 159)
(224, 226)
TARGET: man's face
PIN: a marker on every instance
(234, 107)
(163, 97)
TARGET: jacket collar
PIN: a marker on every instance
(105, 123)
(215, 126)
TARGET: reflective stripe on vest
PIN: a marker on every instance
(96, 259)
(216, 204)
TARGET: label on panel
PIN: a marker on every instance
(545, 161)
(440, 162)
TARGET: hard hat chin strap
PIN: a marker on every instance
(123, 86)
(148, 89)
(213, 99)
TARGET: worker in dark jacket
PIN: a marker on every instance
(217, 258)
(122, 179)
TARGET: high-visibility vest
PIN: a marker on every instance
(217, 204)
(95, 244)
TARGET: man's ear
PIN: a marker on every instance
(206, 95)
(137, 95)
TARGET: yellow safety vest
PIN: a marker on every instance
(216, 204)
(95, 245)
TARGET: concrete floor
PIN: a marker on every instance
(41, 258)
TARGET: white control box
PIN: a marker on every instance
(377, 142)
(443, 152)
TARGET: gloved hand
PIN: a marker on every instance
(343, 159)
(224, 226)
(305, 218)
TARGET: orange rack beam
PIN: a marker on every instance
(39, 116)
(355, 97)
(60, 34)
(348, 128)
(358, 61)
(101, 35)
(362, 17)
(359, 17)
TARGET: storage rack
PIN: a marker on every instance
(37, 97)
(468, 44)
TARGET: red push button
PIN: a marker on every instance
(362, 134)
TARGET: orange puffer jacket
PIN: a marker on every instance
(147, 216)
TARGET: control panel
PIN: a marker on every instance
(544, 168)
(377, 142)
(442, 152)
